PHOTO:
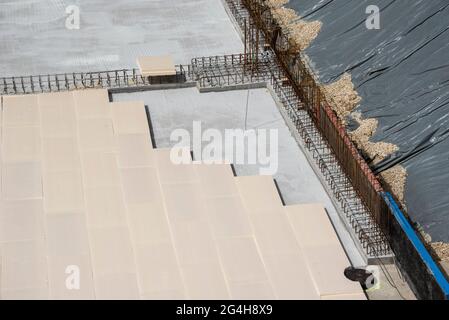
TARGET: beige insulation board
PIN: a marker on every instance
(58, 115)
(92, 103)
(84, 187)
(23, 266)
(322, 250)
(192, 236)
(134, 150)
(259, 194)
(240, 260)
(129, 118)
(282, 256)
(156, 66)
(20, 111)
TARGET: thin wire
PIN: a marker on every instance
(246, 109)
(389, 277)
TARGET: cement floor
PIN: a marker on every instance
(112, 34)
(391, 286)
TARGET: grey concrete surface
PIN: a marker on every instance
(297, 182)
(391, 286)
(35, 40)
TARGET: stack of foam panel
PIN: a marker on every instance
(90, 210)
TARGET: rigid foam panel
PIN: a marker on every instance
(158, 270)
(58, 116)
(194, 242)
(92, 103)
(21, 220)
(156, 66)
(321, 249)
(60, 273)
(100, 169)
(274, 234)
(24, 267)
(119, 286)
(241, 260)
(21, 110)
(96, 134)
(24, 294)
(170, 172)
(183, 202)
(259, 194)
(252, 291)
(227, 217)
(140, 185)
(135, 150)
(111, 251)
(67, 234)
(205, 281)
(21, 144)
(22, 180)
(129, 118)
(105, 206)
(63, 192)
(148, 223)
(61, 154)
(290, 277)
(216, 179)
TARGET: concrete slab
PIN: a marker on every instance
(111, 35)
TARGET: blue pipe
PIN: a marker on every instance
(417, 243)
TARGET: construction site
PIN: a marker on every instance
(224, 150)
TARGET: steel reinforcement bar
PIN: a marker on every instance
(231, 70)
(124, 78)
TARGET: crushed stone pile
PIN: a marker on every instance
(442, 250)
(396, 178)
(276, 3)
(284, 16)
(376, 151)
(301, 33)
(342, 96)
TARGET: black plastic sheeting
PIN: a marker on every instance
(402, 74)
